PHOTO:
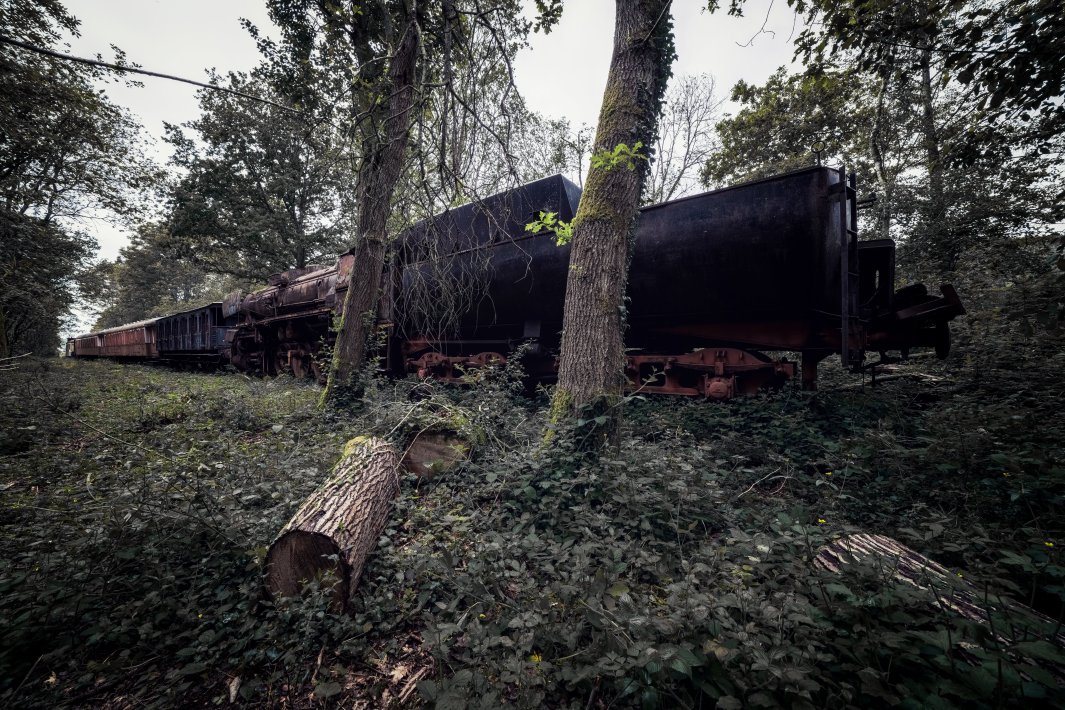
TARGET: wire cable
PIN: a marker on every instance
(135, 70)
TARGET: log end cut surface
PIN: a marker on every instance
(431, 454)
(297, 557)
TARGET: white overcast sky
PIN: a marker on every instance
(560, 74)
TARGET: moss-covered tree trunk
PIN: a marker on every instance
(591, 366)
(384, 147)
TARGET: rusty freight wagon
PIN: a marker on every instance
(130, 341)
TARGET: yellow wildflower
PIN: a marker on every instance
(821, 521)
(1048, 543)
(535, 658)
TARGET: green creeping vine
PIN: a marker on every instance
(549, 222)
(621, 155)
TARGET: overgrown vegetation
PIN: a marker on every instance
(674, 571)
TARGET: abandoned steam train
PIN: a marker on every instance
(717, 282)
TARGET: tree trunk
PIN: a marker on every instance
(936, 246)
(433, 453)
(950, 591)
(377, 182)
(876, 152)
(338, 526)
(591, 365)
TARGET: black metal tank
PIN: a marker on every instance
(755, 264)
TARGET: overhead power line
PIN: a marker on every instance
(134, 70)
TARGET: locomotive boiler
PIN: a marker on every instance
(718, 283)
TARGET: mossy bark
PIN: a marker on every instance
(384, 151)
(337, 527)
(591, 365)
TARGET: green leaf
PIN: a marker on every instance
(327, 690)
(1043, 650)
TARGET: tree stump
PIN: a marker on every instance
(432, 453)
(338, 526)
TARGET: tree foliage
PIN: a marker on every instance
(686, 138)
(66, 154)
(959, 174)
(1007, 54)
(148, 279)
(780, 122)
(264, 189)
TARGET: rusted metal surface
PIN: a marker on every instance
(292, 292)
(452, 368)
(133, 340)
(714, 373)
(282, 327)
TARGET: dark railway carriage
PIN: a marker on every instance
(512, 282)
(195, 335)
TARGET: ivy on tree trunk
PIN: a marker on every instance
(591, 366)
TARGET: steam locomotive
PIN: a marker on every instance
(717, 282)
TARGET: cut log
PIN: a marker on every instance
(338, 526)
(950, 591)
(432, 453)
